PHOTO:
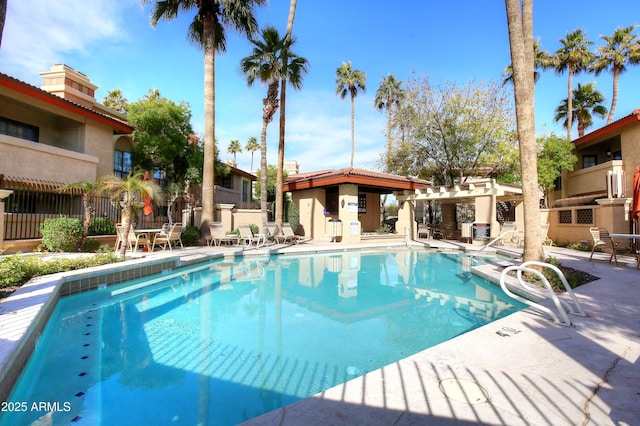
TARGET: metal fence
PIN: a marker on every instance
(27, 209)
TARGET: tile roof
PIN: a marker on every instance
(332, 177)
(34, 92)
(609, 128)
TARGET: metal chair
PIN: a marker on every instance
(601, 238)
(166, 238)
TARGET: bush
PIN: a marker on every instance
(293, 217)
(255, 229)
(91, 246)
(16, 269)
(61, 234)
(190, 235)
(101, 226)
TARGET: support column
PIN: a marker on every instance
(348, 213)
(406, 219)
(226, 216)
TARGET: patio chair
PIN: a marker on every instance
(423, 231)
(272, 236)
(133, 240)
(248, 237)
(166, 238)
(218, 236)
(289, 236)
(601, 238)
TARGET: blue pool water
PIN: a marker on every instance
(224, 342)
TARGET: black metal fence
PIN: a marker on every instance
(26, 209)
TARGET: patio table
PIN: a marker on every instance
(635, 238)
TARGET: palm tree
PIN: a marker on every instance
(387, 97)
(541, 59)
(252, 146)
(350, 81)
(621, 48)
(207, 30)
(520, 24)
(128, 193)
(90, 190)
(115, 100)
(587, 102)
(574, 56)
(3, 14)
(281, 134)
(234, 148)
(265, 64)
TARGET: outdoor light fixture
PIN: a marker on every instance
(608, 151)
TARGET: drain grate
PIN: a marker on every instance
(463, 390)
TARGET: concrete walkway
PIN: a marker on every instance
(520, 370)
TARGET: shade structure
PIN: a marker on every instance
(635, 200)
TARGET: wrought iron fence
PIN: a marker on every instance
(26, 209)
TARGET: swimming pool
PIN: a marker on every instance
(230, 340)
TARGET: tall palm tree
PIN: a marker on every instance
(127, 193)
(574, 56)
(252, 146)
(350, 81)
(587, 102)
(387, 97)
(207, 30)
(520, 24)
(3, 14)
(541, 60)
(621, 48)
(265, 65)
(281, 134)
(90, 190)
(234, 148)
(116, 100)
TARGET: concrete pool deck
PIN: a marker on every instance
(520, 370)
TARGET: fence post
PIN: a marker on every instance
(4, 193)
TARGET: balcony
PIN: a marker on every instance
(593, 180)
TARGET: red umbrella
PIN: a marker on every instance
(635, 200)
(147, 210)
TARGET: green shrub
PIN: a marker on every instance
(255, 229)
(293, 217)
(17, 270)
(91, 246)
(61, 234)
(101, 226)
(190, 235)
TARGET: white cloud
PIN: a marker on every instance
(38, 33)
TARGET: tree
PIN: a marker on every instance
(520, 26)
(127, 193)
(587, 102)
(541, 61)
(207, 30)
(448, 132)
(252, 146)
(115, 100)
(90, 190)
(574, 56)
(3, 15)
(387, 97)
(233, 148)
(620, 49)
(288, 36)
(162, 136)
(350, 81)
(265, 65)
(555, 155)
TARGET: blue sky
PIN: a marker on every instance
(114, 44)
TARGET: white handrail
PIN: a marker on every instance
(500, 237)
(562, 307)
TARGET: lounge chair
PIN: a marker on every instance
(289, 236)
(423, 231)
(272, 235)
(166, 238)
(601, 238)
(248, 237)
(218, 236)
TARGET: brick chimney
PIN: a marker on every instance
(64, 81)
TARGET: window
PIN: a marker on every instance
(362, 203)
(121, 164)
(589, 161)
(246, 190)
(19, 130)
(564, 216)
(226, 182)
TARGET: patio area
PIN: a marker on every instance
(520, 370)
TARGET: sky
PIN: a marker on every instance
(114, 44)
